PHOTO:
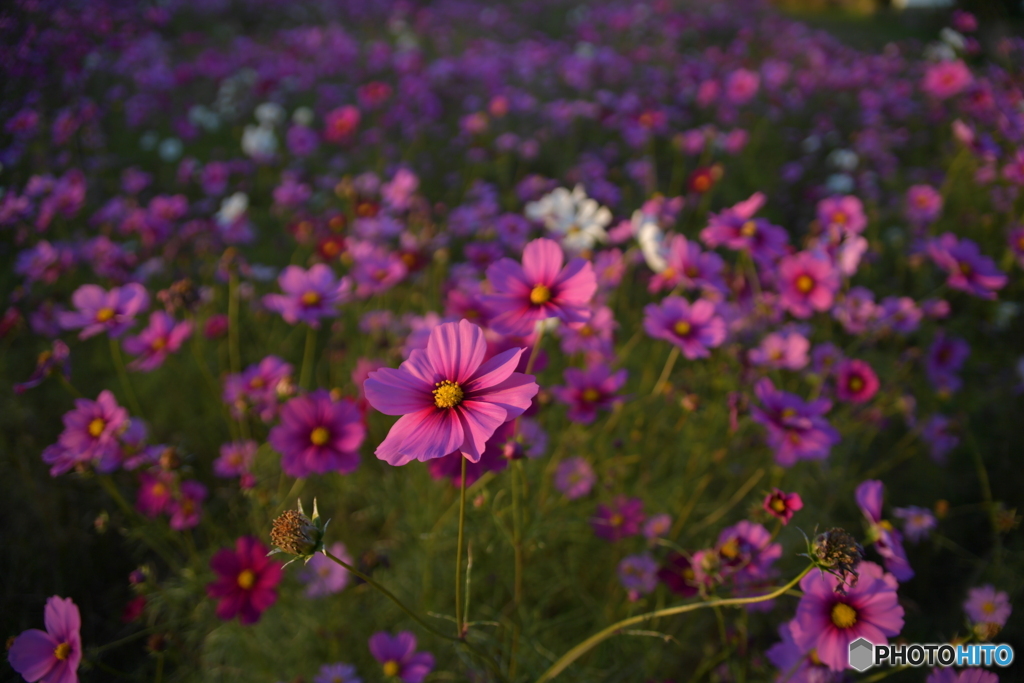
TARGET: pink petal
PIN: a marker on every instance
(394, 392)
(577, 283)
(479, 420)
(64, 672)
(515, 394)
(505, 275)
(456, 350)
(542, 259)
(61, 617)
(424, 435)
(31, 655)
(495, 371)
(89, 297)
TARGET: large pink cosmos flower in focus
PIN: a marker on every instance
(449, 398)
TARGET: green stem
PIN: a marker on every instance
(572, 655)
(307, 358)
(458, 552)
(127, 639)
(670, 363)
(535, 351)
(122, 373)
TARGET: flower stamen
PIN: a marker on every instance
(447, 394)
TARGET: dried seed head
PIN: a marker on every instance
(295, 534)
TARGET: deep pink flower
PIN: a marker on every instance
(538, 289)
(693, 328)
(808, 282)
(399, 658)
(259, 386)
(782, 505)
(186, 508)
(50, 656)
(736, 228)
(924, 203)
(741, 86)
(619, 519)
(163, 336)
(317, 435)
(247, 580)
(828, 621)
(855, 381)
(98, 311)
(842, 216)
(449, 398)
(341, 123)
(235, 459)
(90, 434)
(308, 294)
(156, 490)
(689, 266)
(677, 573)
(797, 430)
(589, 390)
(946, 79)
(786, 349)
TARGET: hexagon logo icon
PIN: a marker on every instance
(862, 654)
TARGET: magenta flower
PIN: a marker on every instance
(574, 477)
(857, 311)
(924, 204)
(782, 505)
(796, 430)
(969, 675)
(155, 494)
(449, 398)
(98, 311)
(235, 459)
(317, 435)
(259, 387)
(887, 540)
(53, 655)
(153, 344)
(741, 85)
(746, 552)
(986, 605)
(917, 522)
(795, 665)
(828, 622)
(900, 314)
(247, 580)
(186, 508)
(808, 282)
(589, 390)
(399, 658)
(619, 519)
(593, 336)
(786, 349)
(308, 294)
(657, 526)
(969, 270)
(689, 266)
(736, 228)
(678, 574)
(90, 434)
(341, 123)
(841, 216)
(693, 328)
(538, 289)
(855, 381)
(947, 78)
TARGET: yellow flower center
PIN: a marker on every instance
(158, 489)
(988, 607)
(586, 331)
(591, 395)
(668, 273)
(843, 615)
(104, 314)
(616, 520)
(62, 651)
(448, 394)
(839, 218)
(246, 579)
(256, 383)
(158, 343)
(749, 229)
(319, 436)
(310, 298)
(96, 427)
(778, 505)
(788, 413)
(691, 271)
(701, 183)
(813, 656)
(856, 384)
(966, 269)
(731, 549)
(391, 668)
(540, 295)
(682, 328)
(804, 284)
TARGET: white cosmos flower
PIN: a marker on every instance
(651, 240)
(233, 208)
(579, 220)
(259, 142)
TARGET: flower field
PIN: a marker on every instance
(505, 342)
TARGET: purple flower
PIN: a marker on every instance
(964, 676)
(808, 282)
(49, 361)
(493, 458)
(794, 664)
(678, 574)
(258, 387)
(53, 655)
(186, 507)
(688, 266)
(90, 434)
(857, 310)
(589, 390)
(945, 358)
(323, 576)
(375, 269)
(163, 336)
(44, 262)
(657, 526)
(936, 433)
(619, 519)
(786, 349)
(924, 203)
(318, 435)
(782, 505)
(746, 552)
(98, 311)
(339, 672)
(449, 398)
(986, 605)
(888, 541)
(900, 314)
(593, 336)
(235, 459)
(828, 622)
(969, 270)
(308, 294)
(302, 140)
(399, 658)
(574, 477)
(796, 430)
(736, 228)
(638, 574)
(917, 521)
(538, 289)
(693, 328)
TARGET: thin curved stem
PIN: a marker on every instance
(307, 358)
(535, 350)
(458, 552)
(670, 363)
(572, 655)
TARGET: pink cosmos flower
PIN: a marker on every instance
(235, 459)
(318, 434)
(259, 386)
(946, 79)
(736, 228)
(924, 203)
(855, 381)
(963, 676)
(828, 622)
(797, 430)
(969, 270)
(574, 477)
(449, 397)
(341, 123)
(785, 349)
(842, 216)
(247, 580)
(186, 508)
(399, 658)
(619, 519)
(808, 283)
(308, 294)
(887, 540)
(323, 576)
(986, 605)
(98, 311)
(689, 266)
(782, 505)
(153, 344)
(917, 521)
(50, 656)
(538, 289)
(589, 390)
(90, 435)
(741, 86)
(693, 328)
(155, 492)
